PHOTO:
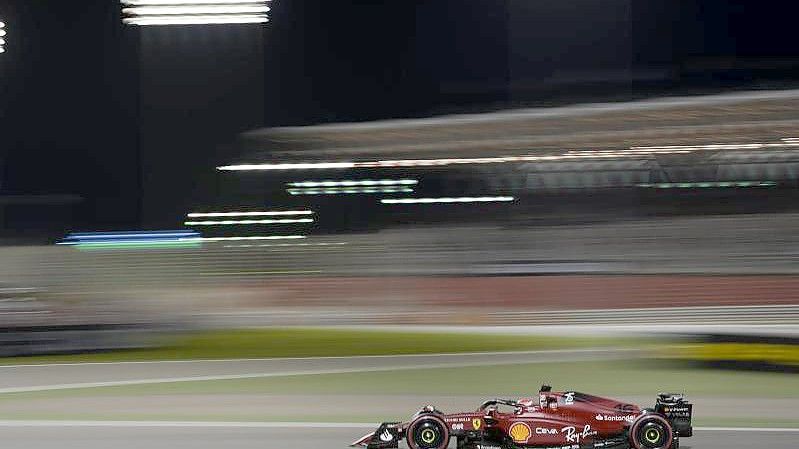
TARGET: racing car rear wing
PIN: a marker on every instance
(678, 411)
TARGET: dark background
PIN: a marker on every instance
(133, 120)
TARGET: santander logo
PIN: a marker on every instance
(617, 418)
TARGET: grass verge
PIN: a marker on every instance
(320, 342)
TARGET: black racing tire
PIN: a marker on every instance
(427, 432)
(651, 432)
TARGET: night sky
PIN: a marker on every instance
(134, 120)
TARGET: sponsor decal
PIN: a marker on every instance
(568, 398)
(617, 418)
(542, 401)
(520, 432)
(477, 423)
(678, 412)
(573, 436)
(486, 446)
(457, 426)
(386, 436)
(458, 419)
(545, 431)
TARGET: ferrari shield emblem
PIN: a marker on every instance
(476, 423)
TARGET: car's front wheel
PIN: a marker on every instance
(428, 432)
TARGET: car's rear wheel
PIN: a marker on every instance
(428, 432)
(651, 432)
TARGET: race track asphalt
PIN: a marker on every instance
(129, 435)
(296, 438)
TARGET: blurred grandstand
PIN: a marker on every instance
(655, 204)
(723, 154)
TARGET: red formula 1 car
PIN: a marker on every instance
(563, 420)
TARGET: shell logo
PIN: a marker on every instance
(520, 432)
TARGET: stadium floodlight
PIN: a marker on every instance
(194, 12)
(2, 36)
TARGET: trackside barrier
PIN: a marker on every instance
(742, 352)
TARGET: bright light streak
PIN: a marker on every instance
(332, 187)
(247, 222)
(196, 20)
(251, 214)
(303, 166)
(188, 2)
(283, 245)
(354, 183)
(129, 238)
(719, 146)
(570, 155)
(477, 199)
(199, 9)
(349, 190)
(134, 244)
(234, 239)
(131, 234)
(2, 33)
(703, 185)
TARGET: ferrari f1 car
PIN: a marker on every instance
(562, 420)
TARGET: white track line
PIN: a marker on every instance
(748, 429)
(349, 357)
(265, 425)
(162, 380)
(289, 425)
